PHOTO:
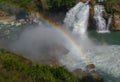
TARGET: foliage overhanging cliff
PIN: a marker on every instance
(112, 6)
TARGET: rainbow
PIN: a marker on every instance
(71, 42)
(61, 31)
(67, 37)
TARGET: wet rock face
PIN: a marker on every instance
(91, 66)
(92, 71)
(89, 73)
(116, 7)
(92, 24)
(113, 8)
(80, 73)
(3, 13)
(116, 22)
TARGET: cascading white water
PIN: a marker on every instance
(104, 57)
(102, 26)
(77, 17)
(109, 22)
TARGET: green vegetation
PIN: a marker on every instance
(23, 4)
(112, 6)
(14, 68)
(38, 5)
(57, 5)
(61, 5)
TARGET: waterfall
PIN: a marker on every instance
(109, 22)
(102, 27)
(77, 18)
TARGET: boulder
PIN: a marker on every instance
(80, 73)
(91, 66)
(92, 72)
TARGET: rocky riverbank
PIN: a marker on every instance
(112, 9)
(16, 20)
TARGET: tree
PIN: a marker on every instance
(61, 5)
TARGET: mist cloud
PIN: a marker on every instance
(40, 43)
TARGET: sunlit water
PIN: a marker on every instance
(106, 54)
(104, 51)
